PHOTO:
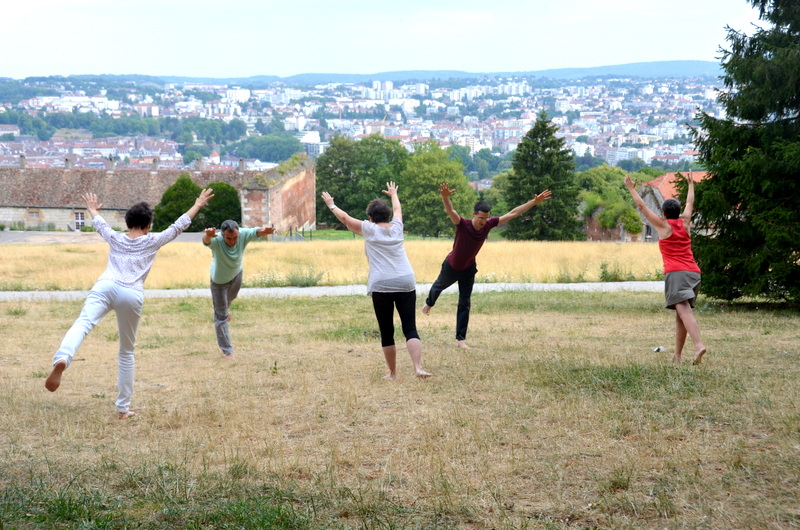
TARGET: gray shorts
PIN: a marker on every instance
(680, 286)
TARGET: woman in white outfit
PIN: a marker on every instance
(120, 288)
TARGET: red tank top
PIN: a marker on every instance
(676, 250)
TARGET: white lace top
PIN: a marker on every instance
(130, 260)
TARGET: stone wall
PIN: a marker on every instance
(43, 198)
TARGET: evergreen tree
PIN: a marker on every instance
(423, 211)
(225, 205)
(749, 207)
(542, 162)
(176, 201)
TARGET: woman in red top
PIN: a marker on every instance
(681, 273)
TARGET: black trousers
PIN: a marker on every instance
(384, 304)
(466, 280)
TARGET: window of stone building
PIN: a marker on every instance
(33, 214)
(79, 221)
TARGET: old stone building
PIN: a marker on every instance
(51, 199)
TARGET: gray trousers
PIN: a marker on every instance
(222, 295)
(127, 303)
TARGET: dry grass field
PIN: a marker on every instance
(269, 264)
(560, 416)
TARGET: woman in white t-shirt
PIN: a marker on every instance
(391, 282)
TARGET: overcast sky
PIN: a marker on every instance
(242, 38)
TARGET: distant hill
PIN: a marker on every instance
(651, 69)
(660, 69)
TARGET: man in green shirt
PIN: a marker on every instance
(227, 250)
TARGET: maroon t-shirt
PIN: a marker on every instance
(468, 242)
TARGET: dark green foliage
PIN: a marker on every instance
(354, 173)
(194, 152)
(12, 91)
(603, 195)
(542, 162)
(225, 205)
(271, 148)
(176, 201)
(28, 125)
(496, 195)
(749, 207)
(423, 210)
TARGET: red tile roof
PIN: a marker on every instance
(665, 184)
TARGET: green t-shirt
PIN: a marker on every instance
(227, 262)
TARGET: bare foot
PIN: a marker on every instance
(698, 357)
(53, 380)
(426, 309)
(228, 356)
(462, 344)
(230, 317)
(422, 374)
(126, 415)
(676, 359)
(390, 377)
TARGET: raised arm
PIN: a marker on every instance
(352, 224)
(264, 231)
(658, 222)
(686, 216)
(522, 208)
(446, 192)
(91, 204)
(201, 201)
(391, 191)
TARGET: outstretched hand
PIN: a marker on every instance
(211, 233)
(91, 202)
(445, 191)
(630, 184)
(541, 197)
(205, 196)
(327, 198)
(391, 189)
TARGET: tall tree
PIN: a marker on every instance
(749, 206)
(356, 172)
(177, 199)
(225, 205)
(423, 211)
(542, 162)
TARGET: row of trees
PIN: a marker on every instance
(196, 137)
(182, 130)
(355, 172)
(747, 211)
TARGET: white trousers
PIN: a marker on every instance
(127, 304)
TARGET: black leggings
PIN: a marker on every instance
(384, 304)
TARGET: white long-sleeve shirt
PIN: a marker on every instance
(130, 260)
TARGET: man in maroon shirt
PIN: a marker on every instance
(459, 266)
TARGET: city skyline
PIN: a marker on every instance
(194, 39)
